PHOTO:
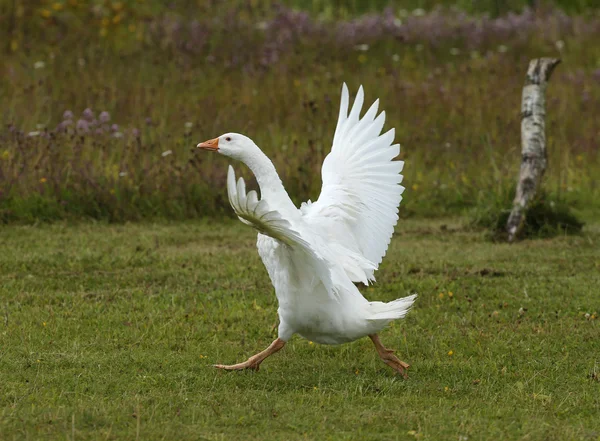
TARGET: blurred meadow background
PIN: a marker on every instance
(103, 101)
(109, 327)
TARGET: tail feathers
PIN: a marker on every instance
(395, 309)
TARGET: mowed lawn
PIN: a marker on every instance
(109, 332)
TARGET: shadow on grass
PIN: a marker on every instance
(546, 216)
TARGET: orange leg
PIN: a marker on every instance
(388, 357)
(254, 361)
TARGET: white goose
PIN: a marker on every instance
(315, 254)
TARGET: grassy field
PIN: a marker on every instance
(109, 332)
(109, 329)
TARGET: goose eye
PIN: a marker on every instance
(228, 139)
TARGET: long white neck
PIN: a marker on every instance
(271, 187)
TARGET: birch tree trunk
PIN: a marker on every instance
(533, 140)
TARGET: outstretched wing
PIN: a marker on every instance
(361, 191)
(267, 221)
(257, 213)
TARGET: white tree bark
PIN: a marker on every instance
(533, 140)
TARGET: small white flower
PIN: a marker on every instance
(189, 125)
(419, 12)
(403, 13)
(559, 45)
(502, 48)
(521, 311)
(40, 126)
(362, 47)
(395, 58)
(39, 65)
(262, 25)
(397, 22)
(587, 315)
(454, 51)
(117, 135)
(32, 134)
(166, 153)
(123, 174)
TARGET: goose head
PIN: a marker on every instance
(234, 145)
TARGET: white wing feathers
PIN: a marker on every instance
(361, 191)
(258, 215)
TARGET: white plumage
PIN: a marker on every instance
(315, 254)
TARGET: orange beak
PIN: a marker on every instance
(211, 144)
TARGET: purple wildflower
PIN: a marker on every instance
(135, 132)
(63, 125)
(82, 126)
(114, 128)
(68, 115)
(104, 117)
(88, 114)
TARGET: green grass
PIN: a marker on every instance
(109, 332)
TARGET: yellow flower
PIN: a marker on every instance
(362, 58)
(310, 343)
(202, 356)
(297, 83)
(45, 13)
(44, 323)
(58, 6)
(446, 388)
(441, 295)
(450, 353)
(450, 294)
(112, 191)
(117, 18)
(43, 180)
(356, 372)
(415, 187)
(315, 388)
(5, 154)
(579, 158)
(412, 432)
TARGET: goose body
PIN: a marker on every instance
(314, 255)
